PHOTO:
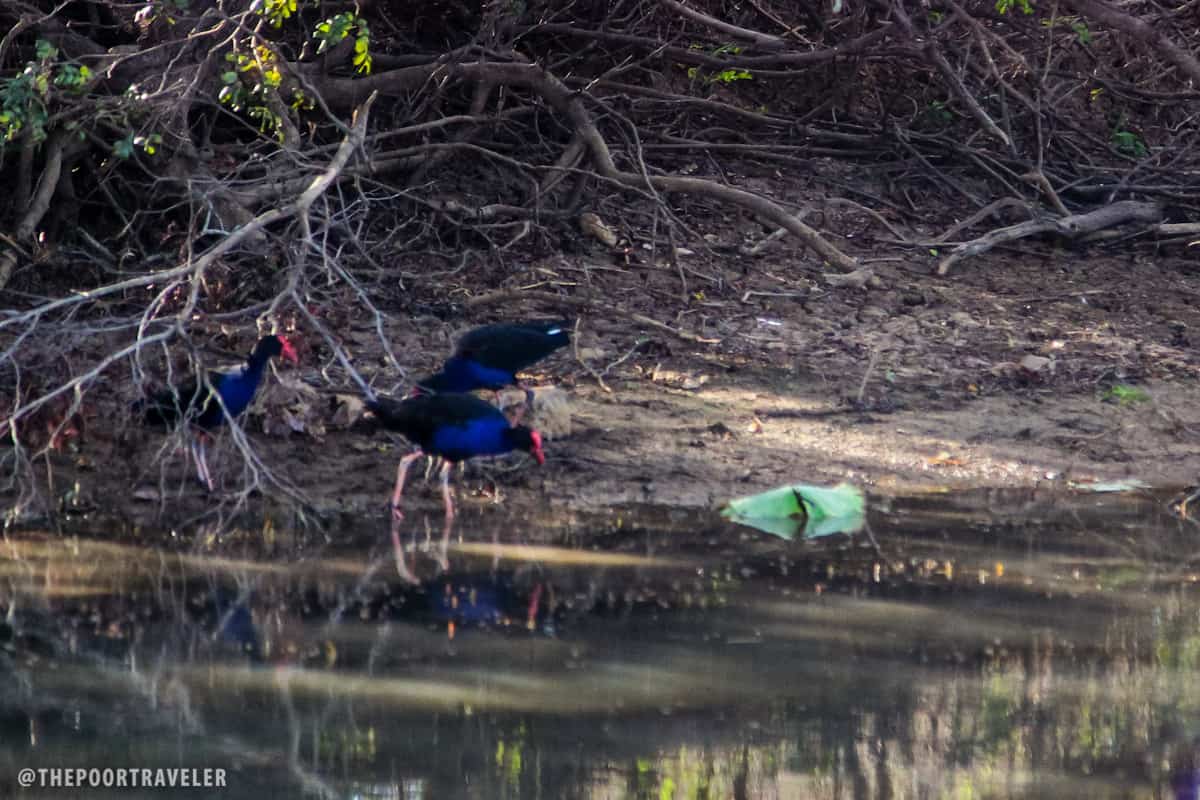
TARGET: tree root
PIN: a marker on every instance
(571, 105)
(39, 205)
(1074, 227)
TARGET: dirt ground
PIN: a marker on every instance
(912, 384)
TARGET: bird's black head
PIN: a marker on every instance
(272, 346)
(522, 438)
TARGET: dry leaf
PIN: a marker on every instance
(551, 412)
(592, 224)
(347, 409)
(290, 406)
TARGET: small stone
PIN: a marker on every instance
(855, 280)
(1036, 365)
(591, 353)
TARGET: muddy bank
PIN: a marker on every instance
(1006, 376)
(645, 443)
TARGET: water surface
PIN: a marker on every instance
(1002, 644)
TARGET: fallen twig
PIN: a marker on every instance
(575, 347)
(1073, 227)
(979, 216)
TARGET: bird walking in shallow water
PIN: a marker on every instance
(206, 405)
(454, 426)
(490, 357)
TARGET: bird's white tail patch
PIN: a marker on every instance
(554, 331)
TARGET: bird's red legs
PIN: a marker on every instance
(401, 471)
(435, 463)
(402, 569)
(443, 553)
(199, 449)
(446, 497)
(532, 611)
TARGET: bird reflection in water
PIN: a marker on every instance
(493, 598)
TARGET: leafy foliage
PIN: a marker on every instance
(1129, 143)
(256, 74)
(1005, 6)
(124, 148)
(725, 76)
(936, 115)
(276, 11)
(335, 29)
(27, 98)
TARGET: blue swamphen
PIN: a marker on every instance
(455, 427)
(491, 356)
(194, 403)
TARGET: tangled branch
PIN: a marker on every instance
(198, 174)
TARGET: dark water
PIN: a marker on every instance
(995, 645)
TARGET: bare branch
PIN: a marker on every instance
(757, 38)
(1151, 38)
(1125, 212)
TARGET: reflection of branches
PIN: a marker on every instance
(309, 781)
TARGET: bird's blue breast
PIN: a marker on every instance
(480, 437)
(465, 375)
(236, 390)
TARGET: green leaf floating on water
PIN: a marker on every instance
(801, 509)
(816, 502)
